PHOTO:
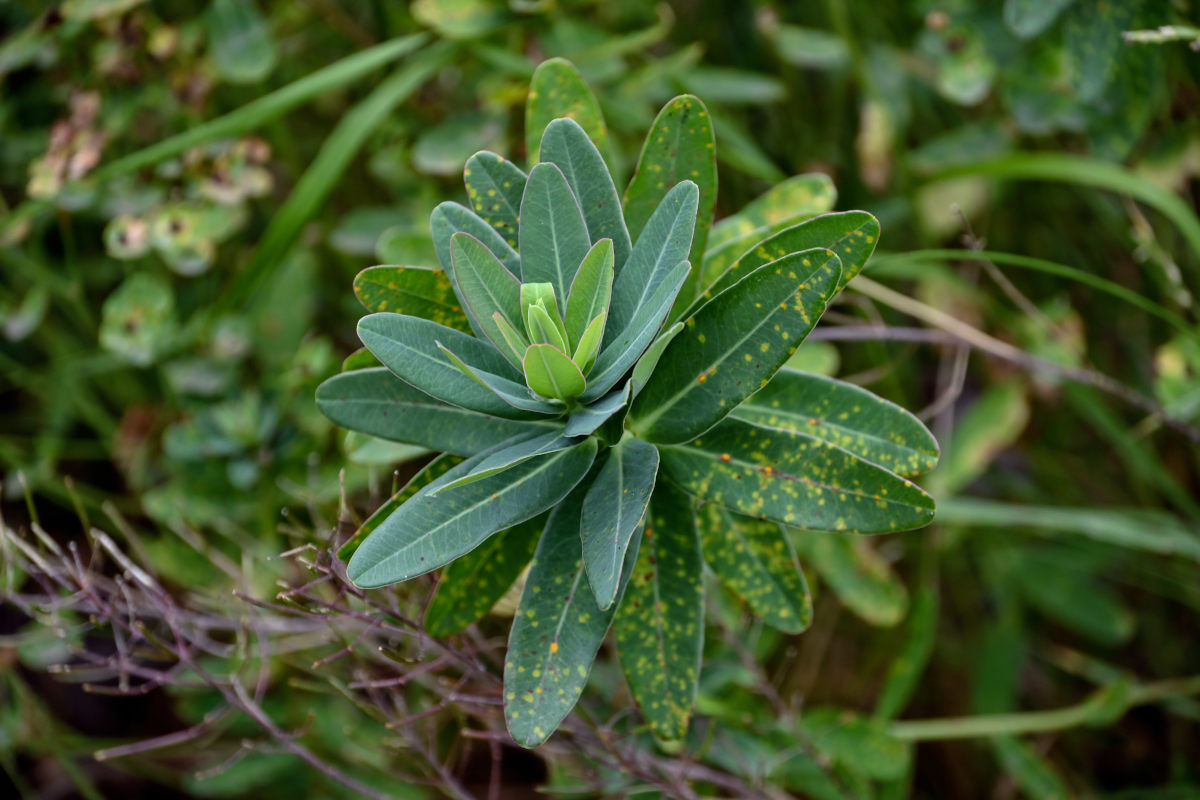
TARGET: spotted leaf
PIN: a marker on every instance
(416, 291)
(558, 90)
(733, 345)
(660, 626)
(472, 584)
(494, 188)
(846, 415)
(557, 630)
(756, 561)
(794, 479)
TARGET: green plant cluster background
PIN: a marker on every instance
(188, 189)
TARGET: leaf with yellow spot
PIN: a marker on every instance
(794, 479)
(733, 345)
(852, 235)
(756, 561)
(557, 630)
(423, 292)
(859, 577)
(471, 585)
(680, 146)
(558, 90)
(428, 532)
(846, 415)
(451, 218)
(660, 625)
(784, 204)
(494, 189)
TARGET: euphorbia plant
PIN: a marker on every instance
(606, 422)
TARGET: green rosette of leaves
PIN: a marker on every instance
(610, 419)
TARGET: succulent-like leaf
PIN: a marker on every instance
(558, 90)
(756, 561)
(591, 290)
(450, 218)
(680, 146)
(648, 362)
(514, 341)
(589, 344)
(846, 415)
(416, 291)
(494, 187)
(662, 245)
(733, 345)
(551, 373)
(617, 357)
(429, 473)
(409, 347)
(660, 625)
(850, 234)
(794, 479)
(861, 579)
(586, 419)
(614, 508)
(543, 328)
(554, 237)
(486, 288)
(556, 632)
(508, 457)
(509, 391)
(566, 145)
(471, 585)
(378, 403)
(534, 294)
(428, 532)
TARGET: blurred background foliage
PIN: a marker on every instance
(188, 188)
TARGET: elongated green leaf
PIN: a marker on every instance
(756, 561)
(616, 358)
(428, 532)
(451, 218)
(591, 290)
(557, 630)
(857, 575)
(430, 473)
(543, 328)
(416, 291)
(794, 479)
(589, 344)
(850, 234)
(494, 187)
(662, 245)
(786, 203)
(378, 403)
(472, 584)
(660, 625)
(586, 419)
(904, 673)
(646, 365)
(408, 346)
(549, 442)
(734, 345)
(614, 508)
(566, 145)
(1030, 769)
(847, 415)
(551, 373)
(558, 90)
(515, 342)
(509, 391)
(554, 237)
(680, 146)
(486, 288)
